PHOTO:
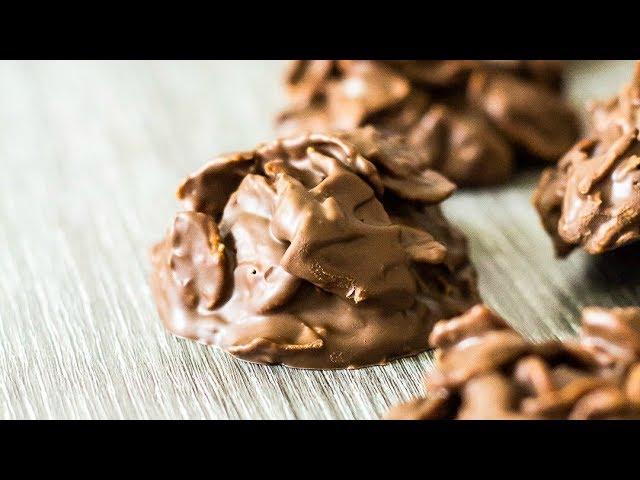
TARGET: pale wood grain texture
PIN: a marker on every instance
(90, 154)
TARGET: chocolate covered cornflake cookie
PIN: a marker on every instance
(486, 370)
(314, 251)
(592, 198)
(467, 118)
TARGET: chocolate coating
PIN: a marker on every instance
(592, 198)
(314, 251)
(528, 115)
(467, 117)
(487, 371)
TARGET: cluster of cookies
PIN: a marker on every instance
(469, 119)
(592, 197)
(314, 251)
(487, 371)
(327, 248)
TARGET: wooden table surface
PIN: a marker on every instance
(90, 155)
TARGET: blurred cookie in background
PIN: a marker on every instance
(471, 119)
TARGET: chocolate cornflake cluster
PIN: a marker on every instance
(468, 119)
(592, 198)
(487, 371)
(314, 251)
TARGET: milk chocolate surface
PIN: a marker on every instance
(469, 118)
(313, 251)
(592, 198)
(486, 370)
